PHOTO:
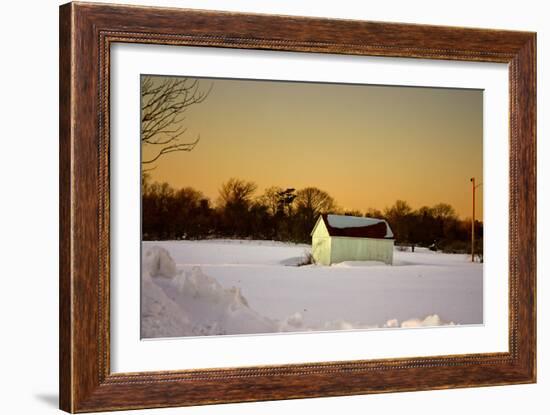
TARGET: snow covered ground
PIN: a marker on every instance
(193, 288)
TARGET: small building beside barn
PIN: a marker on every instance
(339, 238)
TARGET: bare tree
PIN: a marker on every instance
(400, 217)
(236, 192)
(399, 209)
(286, 197)
(164, 102)
(312, 201)
(271, 199)
(374, 213)
(352, 212)
(444, 211)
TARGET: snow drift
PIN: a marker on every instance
(181, 303)
(185, 301)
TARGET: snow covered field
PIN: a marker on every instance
(193, 288)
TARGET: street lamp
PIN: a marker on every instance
(474, 187)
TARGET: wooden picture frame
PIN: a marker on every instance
(86, 33)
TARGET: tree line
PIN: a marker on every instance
(287, 214)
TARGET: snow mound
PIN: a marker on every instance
(189, 302)
(192, 303)
(429, 321)
(392, 323)
(157, 262)
(217, 310)
(295, 321)
(160, 316)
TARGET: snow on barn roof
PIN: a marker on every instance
(357, 227)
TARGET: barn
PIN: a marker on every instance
(338, 238)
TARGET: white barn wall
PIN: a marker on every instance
(321, 243)
(361, 249)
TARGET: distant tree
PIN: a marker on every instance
(169, 213)
(234, 202)
(260, 222)
(186, 208)
(236, 192)
(164, 102)
(310, 203)
(399, 209)
(271, 199)
(145, 183)
(400, 219)
(203, 220)
(374, 213)
(352, 213)
(157, 211)
(187, 196)
(425, 211)
(443, 211)
(423, 227)
(285, 199)
(313, 201)
(446, 219)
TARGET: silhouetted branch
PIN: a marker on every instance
(173, 148)
(163, 106)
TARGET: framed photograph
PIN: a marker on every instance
(258, 207)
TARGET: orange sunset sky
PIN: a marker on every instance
(365, 145)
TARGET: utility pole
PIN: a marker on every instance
(473, 180)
